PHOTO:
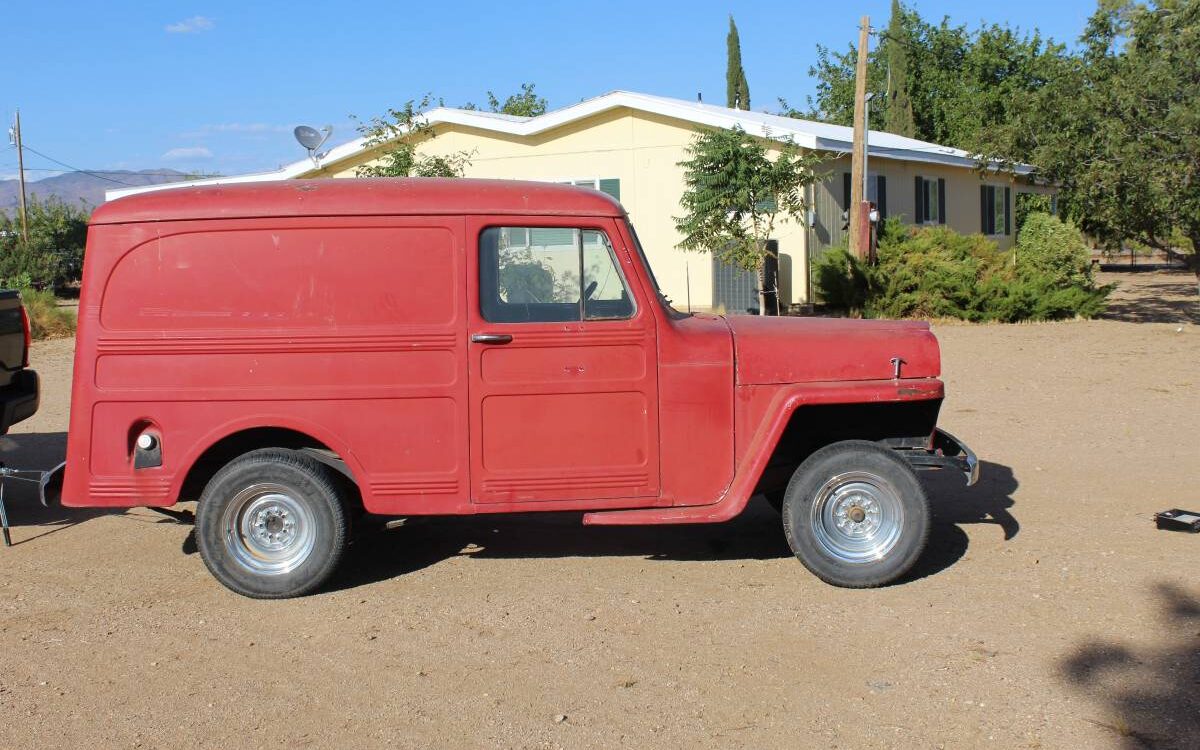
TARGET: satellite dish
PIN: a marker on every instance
(312, 140)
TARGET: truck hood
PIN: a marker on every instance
(806, 350)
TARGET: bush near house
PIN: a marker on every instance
(935, 272)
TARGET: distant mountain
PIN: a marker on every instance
(74, 187)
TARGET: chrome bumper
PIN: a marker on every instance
(944, 452)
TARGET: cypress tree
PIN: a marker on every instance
(898, 117)
(737, 91)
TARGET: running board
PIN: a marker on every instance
(715, 513)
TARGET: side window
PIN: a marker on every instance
(550, 275)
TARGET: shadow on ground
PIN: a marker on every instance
(955, 505)
(1150, 697)
(1158, 298)
(757, 534)
(37, 451)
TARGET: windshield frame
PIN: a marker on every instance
(663, 299)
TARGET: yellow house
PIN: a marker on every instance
(630, 145)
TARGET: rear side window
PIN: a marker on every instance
(550, 275)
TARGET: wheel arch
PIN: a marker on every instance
(812, 426)
(224, 445)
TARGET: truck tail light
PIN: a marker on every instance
(28, 336)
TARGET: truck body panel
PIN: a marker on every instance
(460, 346)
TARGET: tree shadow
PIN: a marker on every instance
(1158, 298)
(1151, 695)
(378, 553)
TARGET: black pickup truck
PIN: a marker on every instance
(19, 391)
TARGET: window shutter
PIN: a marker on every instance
(611, 187)
(1007, 211)
(919, 203)
(983, 210)
(881, 196)
(941, 201)
(845, 191)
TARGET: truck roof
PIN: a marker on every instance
(358, 197)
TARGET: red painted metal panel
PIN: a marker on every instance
(354, 336)
(358, 198)
(805, 350)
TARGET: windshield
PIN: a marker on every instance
(662, 298)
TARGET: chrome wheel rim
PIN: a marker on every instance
(267, 530)
(857, 517)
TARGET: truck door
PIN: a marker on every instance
(563, 365)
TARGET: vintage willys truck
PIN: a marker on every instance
(294, 354)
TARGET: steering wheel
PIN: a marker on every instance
(587, 293)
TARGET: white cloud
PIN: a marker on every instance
(193, 25)
(191, 152)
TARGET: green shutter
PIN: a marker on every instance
(881, 196)
(983, 209)
(611, 186)
(941, 188)
(1007, 211)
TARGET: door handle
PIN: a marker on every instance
(491, 338)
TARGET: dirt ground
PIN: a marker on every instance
(1048, 611)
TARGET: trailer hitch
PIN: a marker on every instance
(49, 486)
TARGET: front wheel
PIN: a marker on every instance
(856, 515)
(271, 524)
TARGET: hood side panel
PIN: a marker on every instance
(806, 350)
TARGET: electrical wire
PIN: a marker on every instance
(27, 147)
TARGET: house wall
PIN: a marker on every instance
(962, 197)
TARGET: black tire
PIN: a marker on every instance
(856, 515)
(271, 524)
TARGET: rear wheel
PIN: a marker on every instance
(271, 524)
(856, 515)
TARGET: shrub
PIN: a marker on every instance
(1049, 248)
(46, 319)
(935, 272)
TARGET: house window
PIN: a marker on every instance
(876, 192)
(930, 203)
(994, 217)
(608, 185)
(550, 274)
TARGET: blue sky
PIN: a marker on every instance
(217, 86)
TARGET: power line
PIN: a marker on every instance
(77, 169)
(181, 175)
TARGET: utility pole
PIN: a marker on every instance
(21, 175)
(857, 212)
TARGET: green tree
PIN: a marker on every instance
(737, 90)
(54, 253)
(898, 109)
(1118, 127)
(733, 193)
(525, 103)
(960, 84)
(400, 131)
